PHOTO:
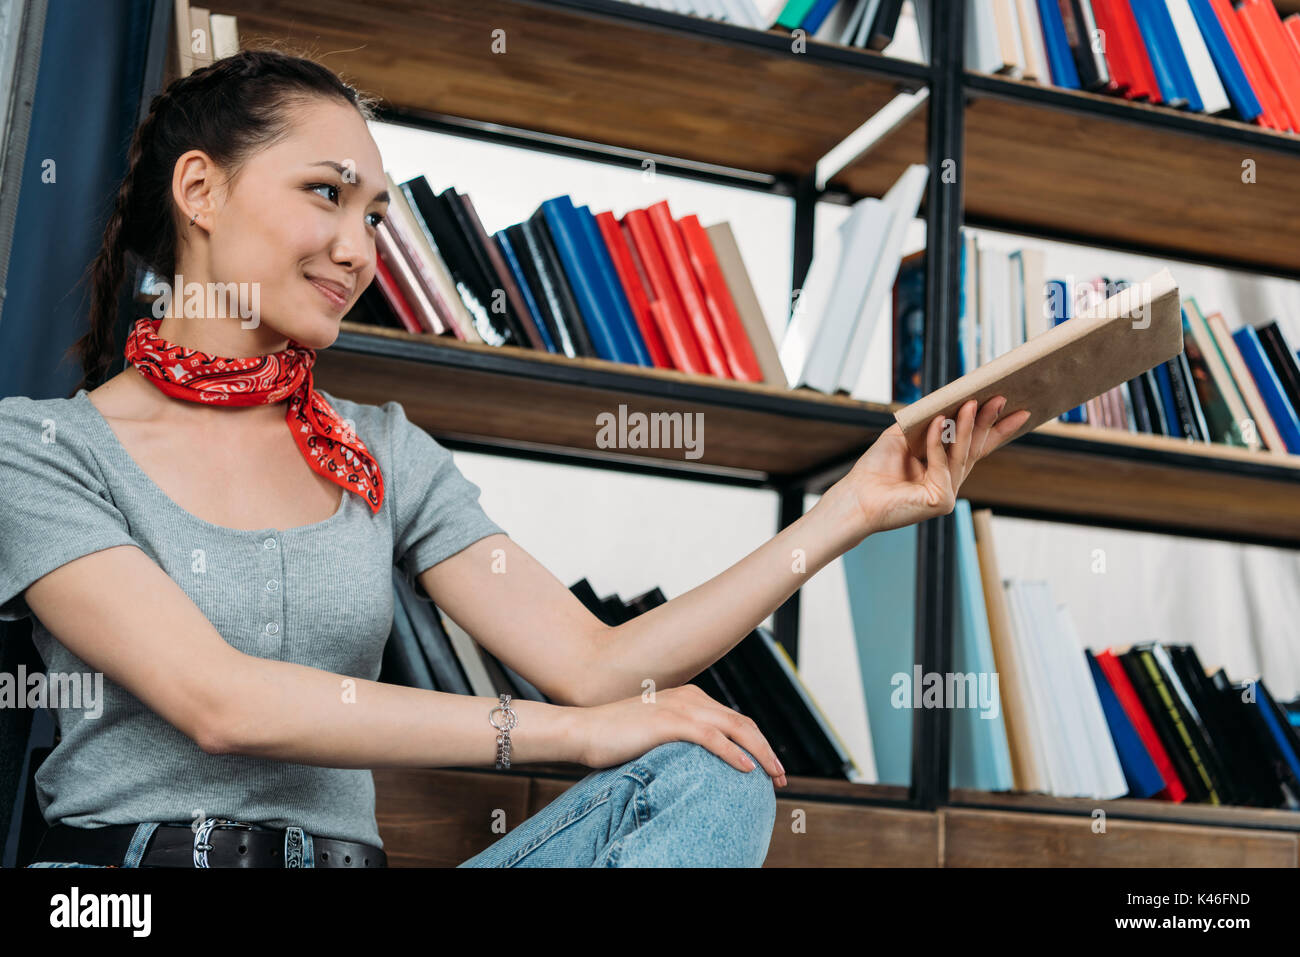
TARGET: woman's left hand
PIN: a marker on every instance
(892, 487)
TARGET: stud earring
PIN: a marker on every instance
(194, 217)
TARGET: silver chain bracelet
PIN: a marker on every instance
(509, 720)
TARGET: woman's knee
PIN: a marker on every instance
(754, 788)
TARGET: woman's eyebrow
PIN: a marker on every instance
(350, 175)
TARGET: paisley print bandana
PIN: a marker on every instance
(330, 445)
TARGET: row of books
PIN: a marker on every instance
(869, 24)
(1062, 718)
(757, 678)
(645, 288)
(1202, 55)
(1238, 388)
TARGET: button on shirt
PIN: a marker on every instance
(318, 595)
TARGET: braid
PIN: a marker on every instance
(227, 109)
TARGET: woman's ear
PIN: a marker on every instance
(194, 179)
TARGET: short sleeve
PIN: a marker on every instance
(436, 512)
(54, 504)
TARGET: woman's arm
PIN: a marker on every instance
(526, 617)
(121, 614)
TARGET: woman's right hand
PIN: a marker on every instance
(610, 734)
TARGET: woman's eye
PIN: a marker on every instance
(374, 219)
(333, 196)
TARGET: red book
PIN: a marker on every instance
(1273, 113)
(1128, 699)
(679, 267)
(1143, 74)
(636, 294)
(1260, 23)
(726, 317)
(1114, 50)
(665, 307)
(402, 308)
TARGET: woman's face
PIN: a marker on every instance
(298, 221)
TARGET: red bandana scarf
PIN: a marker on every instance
(330, 447)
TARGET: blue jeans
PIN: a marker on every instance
(678, 805)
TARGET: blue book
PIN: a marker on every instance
(1172, 419)
(1174, 56)
(1140, 771)
(1278, 733)
(1058, 300)
(570, 244)
(817, 15)
(1144, 16)
(981, 757)
(962, 325)
(1059, 57)
(1270, 387)
(880, 575)
(623, 319)
(1225, 60)
(512, 261)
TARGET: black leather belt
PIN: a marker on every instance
(178, 845)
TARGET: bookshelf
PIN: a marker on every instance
(737, 106)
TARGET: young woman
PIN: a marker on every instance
(214, 538)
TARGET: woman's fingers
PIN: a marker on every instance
(988, 414)
(1006, 428)
(936, 459)
(735, 730)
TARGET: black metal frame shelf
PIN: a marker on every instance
(950, 86)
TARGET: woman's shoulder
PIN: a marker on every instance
(21, 413)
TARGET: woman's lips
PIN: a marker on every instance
(330, 291)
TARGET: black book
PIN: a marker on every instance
(1209, 705)
(1189, 419)
(748, 690)
(552, 268)
(1155, 405)
(402, 662)
(549, 312)
(884, 26)
(1198, 741)
(474, 287)
(372, 309)
(1248, 696)
(1138, 397)
(1091, 64)
(500, 683)
(583, 591)
(825, 759)
(1163, 719)
(498, 302)
(1253, 757)
(435, 646)
(1283, 361)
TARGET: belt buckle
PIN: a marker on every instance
(201, 845)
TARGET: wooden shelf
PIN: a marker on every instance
(439, 817)
(521, 399)
(599, 71)
(1098, 169)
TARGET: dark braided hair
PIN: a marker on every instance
(227, 109)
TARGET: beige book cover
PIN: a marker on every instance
(1246, 382)
(742, 293)
(200, 37)
(1079, 359)
(1025, 768)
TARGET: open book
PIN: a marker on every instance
(1133, 331)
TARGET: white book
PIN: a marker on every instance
(861, 9)
(834, 24)
(1066, 692)
(1016, 286)
(1112, 783)
(982, 52)
(1031, 31)
(864, 26)
(1035, 295)
(225, 35)
(1004, 20)
(862, 237)
(986, 263)
(1047, 737)
(1214, 99)
(748, 14)
(867, 370)
(1067, 772)
(769, 11)
(809, 307)
(970, 303)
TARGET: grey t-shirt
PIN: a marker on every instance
(318, 595)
